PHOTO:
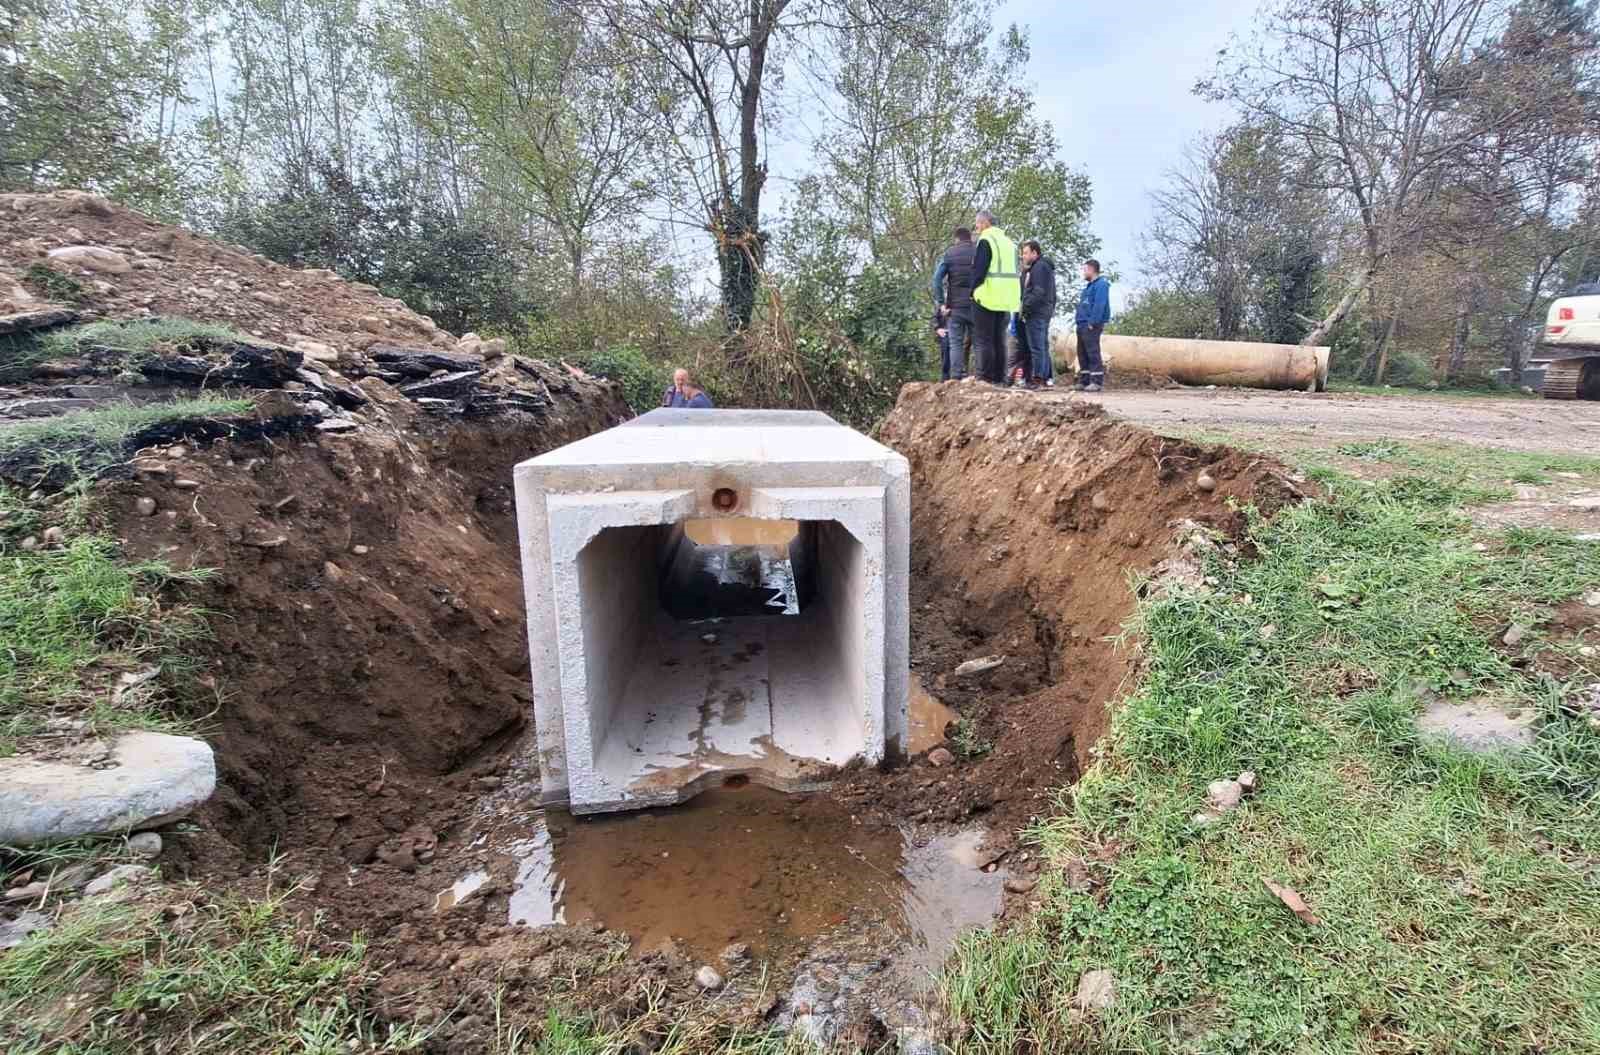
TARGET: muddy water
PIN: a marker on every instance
(928, 719)
(738, 864)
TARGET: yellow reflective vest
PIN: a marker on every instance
(1001, 289)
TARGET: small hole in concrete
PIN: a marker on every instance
(738, 780)
(725, 499)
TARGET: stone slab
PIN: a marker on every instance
(153, 778)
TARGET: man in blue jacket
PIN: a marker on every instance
(1094, 311)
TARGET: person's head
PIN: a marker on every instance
(983, 221)
(1091, 269)
(1031, 251)
(680, 379)
(963, 234)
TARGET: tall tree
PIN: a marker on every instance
(1367, 90)
(527, 84)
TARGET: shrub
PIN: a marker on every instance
(642, 379)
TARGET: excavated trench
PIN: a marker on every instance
(374, 728)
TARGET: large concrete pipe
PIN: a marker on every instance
(1245, 364)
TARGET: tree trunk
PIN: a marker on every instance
(1459, 337)
(1319, 333)
(1383, 347)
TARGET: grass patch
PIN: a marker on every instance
(76, 617)
(133, 339)
(1457, 892)
(85, 443)
(225, 975)
(54, 285)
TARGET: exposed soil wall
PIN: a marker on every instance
(369, 624)
(1031, 522)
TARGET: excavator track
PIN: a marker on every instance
(1572, 379)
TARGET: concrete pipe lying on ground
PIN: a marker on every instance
(1244, 364)
(714, 594)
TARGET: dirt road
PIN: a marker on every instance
(1303, 419)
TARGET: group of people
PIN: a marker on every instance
(980, 296)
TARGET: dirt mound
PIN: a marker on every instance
(1031, 522)
(139, 267)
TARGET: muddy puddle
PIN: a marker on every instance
(738, 864)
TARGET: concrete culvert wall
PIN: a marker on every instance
(713, 595)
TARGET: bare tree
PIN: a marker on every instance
(1368, 90)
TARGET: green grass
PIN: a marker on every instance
(86, 442)
(226, 975)
(134, 338)
(72, 618)
(1458, 895)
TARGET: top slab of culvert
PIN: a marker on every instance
(722, 437)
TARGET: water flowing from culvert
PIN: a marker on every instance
(742, 864)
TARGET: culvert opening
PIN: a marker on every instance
(716, 648)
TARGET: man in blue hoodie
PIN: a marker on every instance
(1094, 311)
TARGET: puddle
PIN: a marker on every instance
(742, 864)
(928, 719)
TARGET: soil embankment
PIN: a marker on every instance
(367, 670)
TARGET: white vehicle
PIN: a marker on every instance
(1571, 345)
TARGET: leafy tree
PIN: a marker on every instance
(88, 90)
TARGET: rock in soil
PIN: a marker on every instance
(707, 978)
(16, 931)
(978, 666)
(153, 778)
(144, 844)
(1097, 991)
(122, 875)
(1021, 885)
(1224, 795)
(940, 757)
(1247, 780)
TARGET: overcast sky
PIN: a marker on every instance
(1115, 79)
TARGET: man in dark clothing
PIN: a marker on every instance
(952, 292)
(941, 335)
(1038, 308)
(996, 294)
(1094, 311)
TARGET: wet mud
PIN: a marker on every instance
(738, 864)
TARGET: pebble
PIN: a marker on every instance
(1206, 483)
(146, 507)
(709, 639)
(118, 876)
(978, 666)
(144, 844)
(707, 978)
(1100, 502)
(1247, 780)
(940, 757)
(53, 536)
(1224, 794)
(360, 551)
(1514, 636)
(1097, 991)
(186, 484)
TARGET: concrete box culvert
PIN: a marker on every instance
(714, 594)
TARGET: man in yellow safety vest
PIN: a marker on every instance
(996, 293)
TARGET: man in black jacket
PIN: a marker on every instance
(952, 292)
(1038, 308)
